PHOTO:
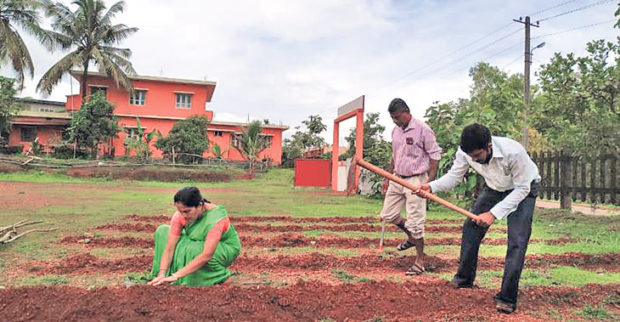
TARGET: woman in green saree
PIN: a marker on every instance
(199, 244)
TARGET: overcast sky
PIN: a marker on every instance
(284, 60)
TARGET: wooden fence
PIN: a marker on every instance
(566, 177)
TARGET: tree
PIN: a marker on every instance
(141, 142)
(188, 138)
(13, 14)
(89, 33)
(303, 140)
(496, 100)
(93, 124)
(579, 109)
(8, 104)
(376, 150)
(251, 143)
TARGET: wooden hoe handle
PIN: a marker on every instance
(404, 183)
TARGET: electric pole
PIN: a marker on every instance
(526, 76)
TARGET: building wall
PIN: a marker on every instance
(160, 98)
(44, 133)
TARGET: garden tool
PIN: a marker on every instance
(359, 162)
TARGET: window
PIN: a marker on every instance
(138, 97)
(28, 134)
(268, 140)
(218, 133)
(184, 100)
(96, 89)
(45, 109)
(234, 141)
(133, 132)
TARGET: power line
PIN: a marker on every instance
(551, 8)
(458, 59)
(576, 28)
(575, 10)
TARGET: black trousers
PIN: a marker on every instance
(519, 231)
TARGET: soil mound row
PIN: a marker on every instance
(89, 264)
(296, 240)
(308, 301)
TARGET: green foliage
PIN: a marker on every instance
(16, 14)
(89, 34)
(142, 142)
(9, 106)
(93, 124)
(303, 140)
(595, 313)
(495, 101)
(579, 109)
(251, 142)
(376, 150)
(188, 137)
(218, 152)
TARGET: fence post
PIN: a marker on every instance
(565, 194)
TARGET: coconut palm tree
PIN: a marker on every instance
(13, 14)
(90, 35)
(251, 142)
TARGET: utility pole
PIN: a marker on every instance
(526, 74)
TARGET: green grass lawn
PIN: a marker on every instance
(87, 203)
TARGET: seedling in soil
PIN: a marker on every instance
(598, 313)
(343, 275)
(137, 278)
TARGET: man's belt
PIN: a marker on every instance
(405, 177)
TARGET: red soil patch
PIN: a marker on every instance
(128, 227)
(333, 220)
(19, 195)
(149, 173)
(107, 242)
(307, 301)
(295, 240)
(89, 264)
(241, 227)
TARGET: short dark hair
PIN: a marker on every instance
(475, 136)
(190, 197)
(398, 105)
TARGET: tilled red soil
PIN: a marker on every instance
(302, 301)
(244, 227)
(296, 240)
(289, 219)
(89, 264)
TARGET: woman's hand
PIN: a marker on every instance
(159, 280)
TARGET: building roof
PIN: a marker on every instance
(75, 73)
(40, 102)
(267, 126)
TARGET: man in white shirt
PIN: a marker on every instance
(510, 191)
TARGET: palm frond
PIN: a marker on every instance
(54, 75)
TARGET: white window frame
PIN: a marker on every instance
(137, 100)
(183, 100)
(98, 87)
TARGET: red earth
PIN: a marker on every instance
(296, 240)
(302, 301)
(90, 264)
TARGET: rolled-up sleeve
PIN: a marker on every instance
(522, 180)
(454, 176)
(430, 144)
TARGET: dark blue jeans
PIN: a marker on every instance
(519, 231)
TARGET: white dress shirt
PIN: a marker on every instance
(509, 168)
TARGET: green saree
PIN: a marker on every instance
(191, 243)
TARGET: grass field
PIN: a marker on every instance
(567, 250)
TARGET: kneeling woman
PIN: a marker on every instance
(198, 245)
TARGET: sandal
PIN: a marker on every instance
(405, 245)
(415, 270)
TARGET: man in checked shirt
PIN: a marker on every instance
(415, 156)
